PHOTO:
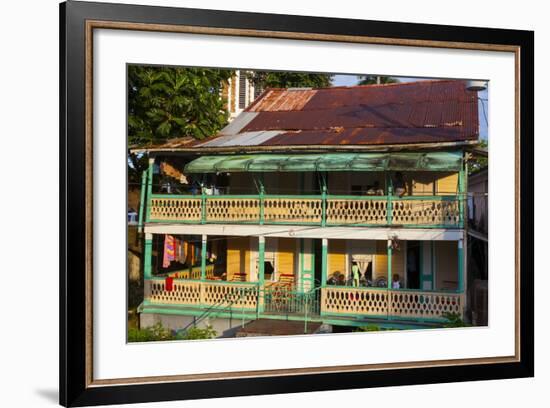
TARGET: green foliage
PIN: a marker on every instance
(373, 328)
(153, 333)
(169, 102)
(289, 80)
(374, 79)
(196, 333)
(454, 320)
(159, 333)
(478, 162)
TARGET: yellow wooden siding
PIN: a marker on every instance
(446, 265)
(423, 184)
(381, 261)
(238, 257)
(286, 251)
(336, 256)
(447, 184)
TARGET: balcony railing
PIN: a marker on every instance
(328, 301)
(380, 302)
(329, 210)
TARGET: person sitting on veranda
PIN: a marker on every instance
(355, 274)
(399, 184)
(375, 190)
(395, 282)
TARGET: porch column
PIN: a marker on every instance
(147, 256)
(261, 274)
(203, 258)
(149, 186)
(261, 260)
(460, 265)
(390, 251)
(142, 204)
(324, 262)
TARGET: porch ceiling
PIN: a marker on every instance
(288, 231)
(434, 161)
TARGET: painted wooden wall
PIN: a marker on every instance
(336, 256)
(446, 265)
(238, 257)
(381, 262)
(286, 256)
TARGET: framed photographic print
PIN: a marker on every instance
(255, 203)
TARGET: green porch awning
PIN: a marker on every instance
(434, 161)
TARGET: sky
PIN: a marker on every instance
(483, 110)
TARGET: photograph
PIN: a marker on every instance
(285, 203)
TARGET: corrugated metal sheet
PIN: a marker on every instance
(435, 161)
(242, 139)
(414, 112)
(426, 111)
(282, 100)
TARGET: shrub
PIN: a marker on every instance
(454, 320)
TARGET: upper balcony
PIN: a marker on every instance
(322, 190)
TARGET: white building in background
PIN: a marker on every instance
(240, 93)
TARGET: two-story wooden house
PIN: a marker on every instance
(344, 206)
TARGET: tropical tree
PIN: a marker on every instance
(478, 162)
(168, 102)
(265, 79)
(376, 79)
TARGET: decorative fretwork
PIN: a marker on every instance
(402, 304)
(354, 301)
(182, 293)
(355, 211)
(235, 295)
(338, 210)
(425, 304)
(292, 210)
(206, 294)
(232, 209)
(174, 209)
(425, 212)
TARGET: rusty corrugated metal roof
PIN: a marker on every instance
(440, 111)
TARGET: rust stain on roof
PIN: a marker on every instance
(402, 113)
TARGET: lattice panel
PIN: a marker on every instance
(242, 296)
(425, 212)
(350, 301)
(188, 209)
(425, 304)
(232, 209)
(347, 211)
(183, 293)
(300, 210)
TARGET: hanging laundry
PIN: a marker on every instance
(169, 284)
(169, 254)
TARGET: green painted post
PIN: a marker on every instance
(261, 273)
(433, 265)
(324, 204)
(324, 262)
(203, 258)
(421, 263)
(262, 192)
(460, 265)
(461, 195)
(389, 208)
(149, 187)
(142, 200)
(148, 257)
(301, 261)
(203, 205)
(390, 252)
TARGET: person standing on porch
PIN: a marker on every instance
(355, 274)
